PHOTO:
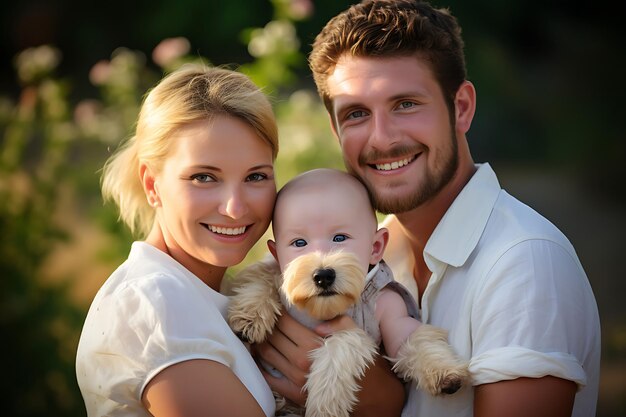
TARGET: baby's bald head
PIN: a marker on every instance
(329, 186)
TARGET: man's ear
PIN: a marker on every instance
(380, 243)
(271, 245)
(333, 126)
(465, 106)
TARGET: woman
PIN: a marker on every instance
(197, 181)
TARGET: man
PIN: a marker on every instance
(504, 281)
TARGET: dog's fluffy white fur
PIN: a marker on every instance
(259, 292)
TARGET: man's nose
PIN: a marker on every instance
(382, 132)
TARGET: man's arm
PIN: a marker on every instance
(287, 349)
(524, 397)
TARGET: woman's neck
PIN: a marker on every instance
(211, 275)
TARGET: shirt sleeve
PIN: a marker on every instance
(155, 322)
(531, 317)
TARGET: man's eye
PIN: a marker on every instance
(339, 238)
(407, 104)
(299, 243)
(202, 178)
(355, 114)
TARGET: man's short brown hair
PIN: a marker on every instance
(386, 28)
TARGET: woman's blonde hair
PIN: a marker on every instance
(192, 93)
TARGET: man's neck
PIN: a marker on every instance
(419, 224)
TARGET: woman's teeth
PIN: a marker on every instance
(231, 231)
(394, 165)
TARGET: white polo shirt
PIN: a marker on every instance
(509, 288)
(150, 314)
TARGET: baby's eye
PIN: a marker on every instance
(299, 243)
(339, 238)
(202, 178)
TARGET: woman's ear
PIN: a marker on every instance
(148, 180)
(381, 237)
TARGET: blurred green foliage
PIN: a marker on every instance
(36, 318)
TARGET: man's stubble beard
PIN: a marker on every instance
(431, 184)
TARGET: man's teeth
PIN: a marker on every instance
(227, 230)
(394, 165)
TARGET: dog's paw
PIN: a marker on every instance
(255, 306)
(427, 358)
(336, 368)
(252, 322)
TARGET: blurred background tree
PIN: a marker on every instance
(72, 76)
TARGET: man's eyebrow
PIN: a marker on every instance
(354, 103)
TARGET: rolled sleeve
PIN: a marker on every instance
(528, 318)
(514, 362)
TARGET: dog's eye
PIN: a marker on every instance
(339, 238)
(299, 243)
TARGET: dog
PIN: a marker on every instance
(316, 287)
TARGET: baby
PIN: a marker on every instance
(329, 251)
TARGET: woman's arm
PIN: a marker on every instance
(191, 388)
(537, 397)
(382, 393)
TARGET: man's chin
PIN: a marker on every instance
(394, 204)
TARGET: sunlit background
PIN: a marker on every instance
(550, 81)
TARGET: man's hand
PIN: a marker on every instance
(287, 349)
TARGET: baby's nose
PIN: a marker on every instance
(324, 278)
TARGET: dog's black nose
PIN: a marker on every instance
(324, 278)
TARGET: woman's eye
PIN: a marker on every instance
(299, 243)
(202, 178)
(257, 176)
(339, 238)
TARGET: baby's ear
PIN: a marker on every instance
(271, 245)
(381, 237)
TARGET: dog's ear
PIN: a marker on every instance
(271, 245)
(381, 237)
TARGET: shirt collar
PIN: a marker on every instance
(458, 232)
(372, 272)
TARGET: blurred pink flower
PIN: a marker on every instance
(169, 50)
(86, 112)
(300, 9)
(100, 73)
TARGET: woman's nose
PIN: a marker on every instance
(234, 204)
